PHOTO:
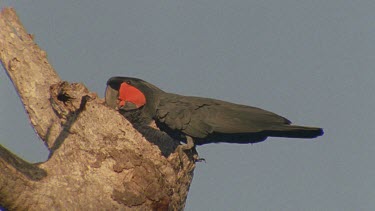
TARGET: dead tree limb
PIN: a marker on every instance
(97, 160)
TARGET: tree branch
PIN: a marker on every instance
(30, 72)
(97, 160)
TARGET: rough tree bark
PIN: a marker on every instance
(97, 159)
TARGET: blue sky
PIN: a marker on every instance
(310, 61)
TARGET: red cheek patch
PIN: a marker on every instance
(122, 103)
(128, 93)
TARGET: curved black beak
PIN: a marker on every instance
(111, 96)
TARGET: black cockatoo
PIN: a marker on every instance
(197, 120)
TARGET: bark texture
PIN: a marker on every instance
(97, 161)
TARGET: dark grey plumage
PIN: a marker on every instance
(205, 120)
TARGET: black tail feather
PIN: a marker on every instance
(287, 131)
(295, 131)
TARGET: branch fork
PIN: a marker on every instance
(97, 159)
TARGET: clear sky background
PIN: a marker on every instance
(310, 61)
